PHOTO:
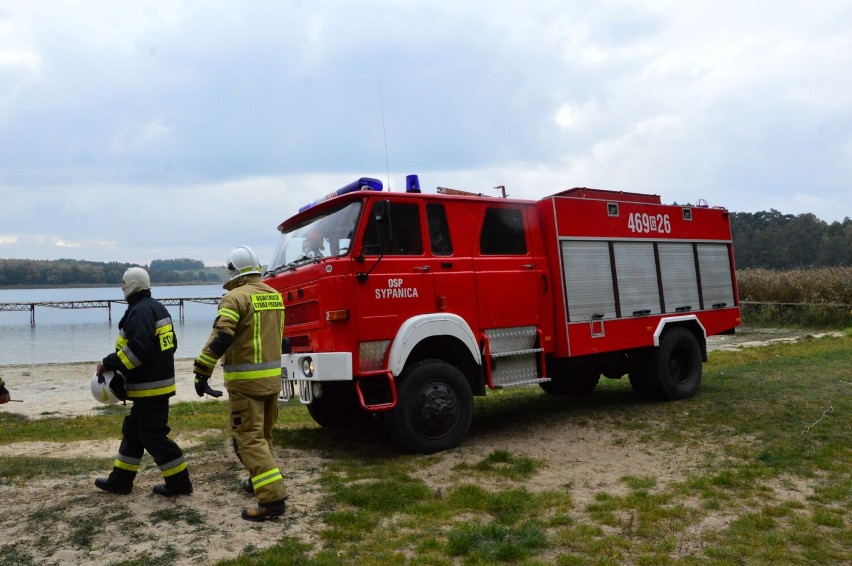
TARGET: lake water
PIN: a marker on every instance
(84, 335)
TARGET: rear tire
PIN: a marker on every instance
(677, 364)
(434, 408)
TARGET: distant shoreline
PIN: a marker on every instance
(154, 285)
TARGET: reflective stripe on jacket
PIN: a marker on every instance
(145, 348)
(253, 313)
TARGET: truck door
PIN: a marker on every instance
(451, 267)
(399, 284)
(508, 297)
(505, 269)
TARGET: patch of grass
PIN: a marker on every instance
(57, 429)
(348, 525)
(288, 552)
(22, 468)
(183, 417)
(486, 543)
(384, 496)
(84, 531)
(168, 556)
(502, 463)
(13, 555)
(505, 506)
(188, 515)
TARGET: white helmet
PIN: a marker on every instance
(242, 261)
(134, 280)
(104, 387)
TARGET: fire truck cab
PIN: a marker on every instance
(408, 304)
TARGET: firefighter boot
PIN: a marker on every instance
(112, 486)
(264, 511)
(177, 484)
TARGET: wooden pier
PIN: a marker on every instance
(104, 304)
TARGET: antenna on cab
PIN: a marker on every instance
(384, 133)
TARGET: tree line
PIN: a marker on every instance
(772, 240)
(27, 272)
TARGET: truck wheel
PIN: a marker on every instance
(577, 382)
(677, 364)
(338, 406)
(434, 407)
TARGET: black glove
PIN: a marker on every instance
(202, 387)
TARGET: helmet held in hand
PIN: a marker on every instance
(108, 388)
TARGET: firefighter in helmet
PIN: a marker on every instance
(144, 358)
(247, 337)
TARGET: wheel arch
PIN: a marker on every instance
(689, 322)
(438, 336)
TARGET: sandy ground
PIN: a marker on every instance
(47, 522)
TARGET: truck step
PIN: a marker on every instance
(517, 353)
(511, 370)
(513, 339)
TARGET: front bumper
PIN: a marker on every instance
(299, 372)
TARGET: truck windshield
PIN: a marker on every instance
(328, 234)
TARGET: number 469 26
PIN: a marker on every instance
(643, 223)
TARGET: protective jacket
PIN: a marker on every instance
(247, 336)
(145, 349)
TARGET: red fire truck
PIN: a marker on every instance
(408, 304)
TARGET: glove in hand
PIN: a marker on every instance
(202, 387)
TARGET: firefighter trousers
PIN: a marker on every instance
(252, 420)
(147, 428)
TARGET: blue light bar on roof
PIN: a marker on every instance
(362, 184)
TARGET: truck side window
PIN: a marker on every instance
(405, 224)
(503, 232)
(439, 229)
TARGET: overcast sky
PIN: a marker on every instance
(141, 130)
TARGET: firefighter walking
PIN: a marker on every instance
(247, 337)
(143, 362)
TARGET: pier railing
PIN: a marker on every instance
(104, 304)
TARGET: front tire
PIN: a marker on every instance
(434, 408)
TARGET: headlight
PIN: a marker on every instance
(308, 366)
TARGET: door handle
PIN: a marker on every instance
(528, 265)
(421, 268)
